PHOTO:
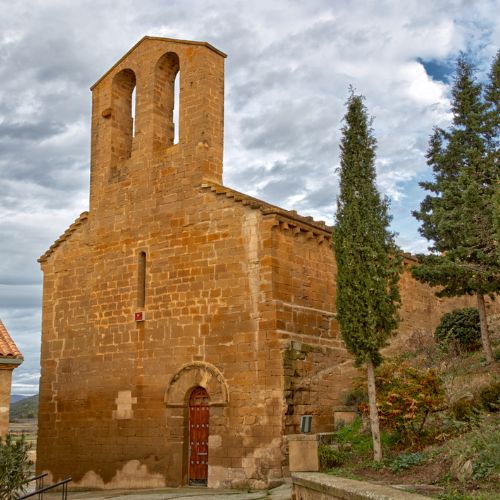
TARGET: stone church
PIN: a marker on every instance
(186, 326)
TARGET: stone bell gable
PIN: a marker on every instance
(186, 326)
(141, 150)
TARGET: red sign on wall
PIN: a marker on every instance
(139, 316)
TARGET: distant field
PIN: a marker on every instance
(26, 408)
(23, 420)
(29, 428)
(14, 398)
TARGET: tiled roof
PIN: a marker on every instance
(267, 209)
(264, 207)
(8, 348)
(236, 196)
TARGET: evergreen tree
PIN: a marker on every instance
(15, 467)
(492, 97)
(458, 215)
(368, 261)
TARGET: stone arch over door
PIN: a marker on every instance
(197, 374)
(178, 391)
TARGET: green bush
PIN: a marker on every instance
(460, 328)
(330, 456)
(490, 396)
(15, 466)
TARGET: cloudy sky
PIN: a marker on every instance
(287, 75)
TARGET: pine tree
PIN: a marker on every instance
(492, 97)
(458, 215)
(368, 261)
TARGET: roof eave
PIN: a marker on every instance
(11, 361)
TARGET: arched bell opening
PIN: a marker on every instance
(166, 104)
(123, 115)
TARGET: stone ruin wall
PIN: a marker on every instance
(318, 371)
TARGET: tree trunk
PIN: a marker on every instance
(485, 336)
(374, 423)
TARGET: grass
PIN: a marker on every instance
(350, 444)
(478, 446)
(456, 495)
(458, 452)
(344, 472)
(360, 442)
(407, 460)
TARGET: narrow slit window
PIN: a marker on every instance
(175, 117)
(133, 106)
(141, 280)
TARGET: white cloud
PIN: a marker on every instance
(420, 88)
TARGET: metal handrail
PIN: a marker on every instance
(26, 481)
(63, 483)
(39, 482)
(40, 476)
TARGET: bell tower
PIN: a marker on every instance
(133, 127)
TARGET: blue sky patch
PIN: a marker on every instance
(438, 69)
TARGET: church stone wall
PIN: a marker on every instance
(104, 416)
(318, 371)
(314, 359)
(237, 297)
(104, 376)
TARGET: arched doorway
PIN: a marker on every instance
(197, 374)
(199, 416)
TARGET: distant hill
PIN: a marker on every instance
(14, 398)
(24, 408)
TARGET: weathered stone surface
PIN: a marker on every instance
(316, 486)
(303, 452)
(344, 417)
(10, 358)
(5, 386)
(237, 296)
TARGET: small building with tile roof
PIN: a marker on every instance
(10, 358)
(187, 327)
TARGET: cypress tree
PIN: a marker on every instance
(368, 261)
(458, 215)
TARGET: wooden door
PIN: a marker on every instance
(198, 436)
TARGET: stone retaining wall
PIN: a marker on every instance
(317, 486)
